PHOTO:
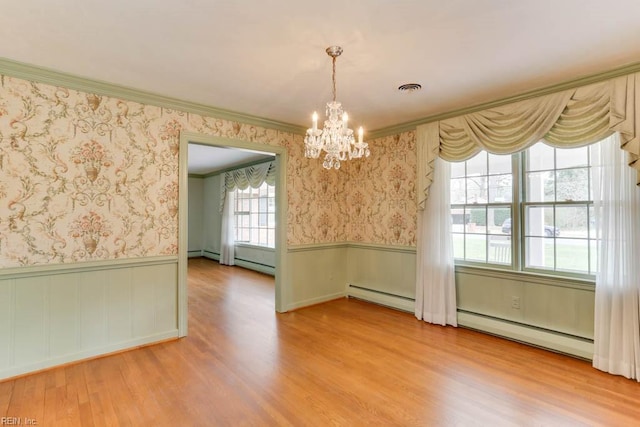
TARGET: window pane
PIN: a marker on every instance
(458, 246)
(477, 220)
(457, 169)
(500, 188)
(477, 165)
(499, 221)
(572, 255)
(477, 189)
(539, 252)
(540, 187)
(458, 191)
(499, 250)
(572, 157)
(572, 184)
(499, 164)
(539, 221)
(540, 157)
(476, 247)
(571, 221)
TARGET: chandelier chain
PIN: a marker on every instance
(334, 79)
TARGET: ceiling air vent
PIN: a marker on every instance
(409, 87)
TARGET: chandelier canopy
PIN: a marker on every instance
(335, 139)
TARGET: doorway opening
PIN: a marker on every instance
(240, 154)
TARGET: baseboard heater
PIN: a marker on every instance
(528, 334)
(249, 265)
(380, 297)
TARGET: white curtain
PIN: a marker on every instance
(617, 300)
(227, 241)
(435, 281)
(242, 178)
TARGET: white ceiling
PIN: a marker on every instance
(267, 58)
(204, 159)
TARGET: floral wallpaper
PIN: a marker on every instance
(87, 177)
(380, 197)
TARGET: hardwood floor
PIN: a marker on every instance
(345, 362)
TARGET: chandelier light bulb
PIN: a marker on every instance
(335, 139)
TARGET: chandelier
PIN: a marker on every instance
(335, 139)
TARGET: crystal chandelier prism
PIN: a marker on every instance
(335, 138)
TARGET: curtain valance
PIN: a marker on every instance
(568, 118)
(253, 176)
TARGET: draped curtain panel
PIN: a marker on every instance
(436, 288)
(616, 202)
(568, 118)
(227, 232)
(253, 176)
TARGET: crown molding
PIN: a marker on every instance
(43, 75)
(34, 73)
(569, 84)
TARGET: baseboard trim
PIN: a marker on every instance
(93, 353)
(554, 341)
(382, 298)
(261, 268)
(314, 301)
(195, 254)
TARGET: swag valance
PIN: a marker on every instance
(569, 118)
(253, 176)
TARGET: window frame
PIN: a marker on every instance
(518, 236)
(255, 200)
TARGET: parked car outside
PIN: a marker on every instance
(549, 231)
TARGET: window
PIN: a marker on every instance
(255, 218)
(528, 211)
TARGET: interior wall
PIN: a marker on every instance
(89, 182)
(211, 212)
(195, 238)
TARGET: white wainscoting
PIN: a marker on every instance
(51, 315)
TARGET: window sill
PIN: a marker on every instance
(526, 276)
(250, 246)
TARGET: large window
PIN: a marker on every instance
(255, 215)
(529, 211)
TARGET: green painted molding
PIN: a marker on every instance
(355, 245)
(569, 84)
(316, 247)
(81, 267)
(34, 73)
(385, 248)
(195, 175)
(524, 276)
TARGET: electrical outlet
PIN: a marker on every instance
(515, 302)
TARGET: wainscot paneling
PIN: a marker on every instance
(550, 312)
(554, 313)
(382, 274)
(318, 273)
(63, 313)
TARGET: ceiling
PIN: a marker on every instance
(205, 159)
(267, 58)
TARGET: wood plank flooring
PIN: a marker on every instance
(345, 362)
